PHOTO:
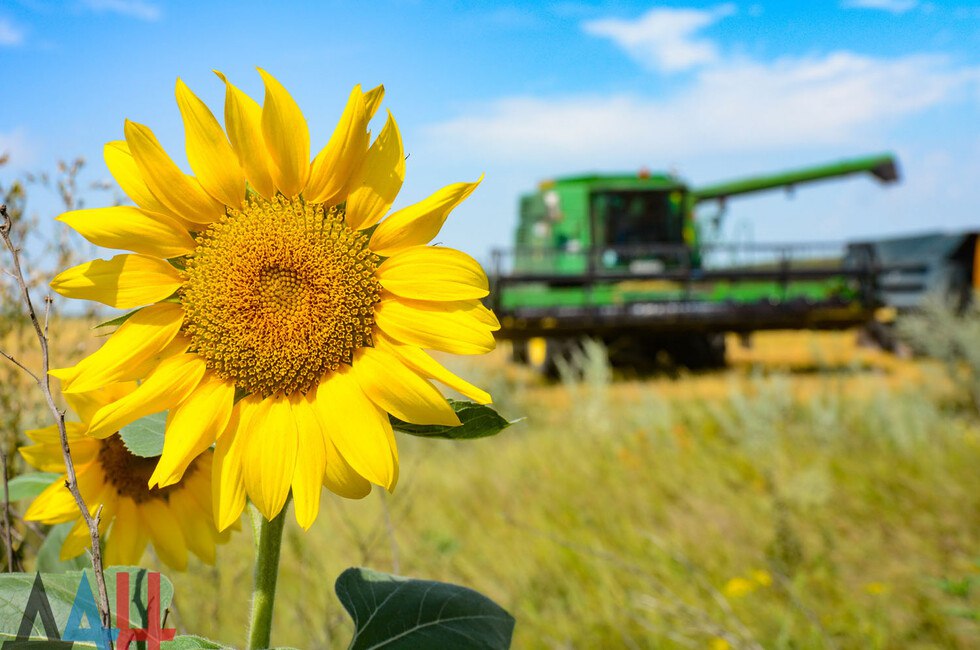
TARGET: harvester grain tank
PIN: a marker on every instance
(623, 258)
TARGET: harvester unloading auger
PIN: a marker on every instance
(622, 259)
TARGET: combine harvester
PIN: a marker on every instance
(622, 259)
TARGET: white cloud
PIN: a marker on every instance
(892, 6)
(664, 39)
(10, 34)
(133, 8)
(739, 107)
(16, 145)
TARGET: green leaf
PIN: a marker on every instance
(118, 320)
(49, 555)
(190, 642)
(60, 590)
(145, 436)
(478, 421)
(28, 486)
(392, 612)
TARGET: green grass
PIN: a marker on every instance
(616, 516)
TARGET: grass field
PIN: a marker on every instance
(814, 495)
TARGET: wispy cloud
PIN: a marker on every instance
(664, 39)
(740, 106)
(10, 34)
(17, 146)
(133, 8)
(892, 6)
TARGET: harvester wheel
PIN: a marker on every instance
(699, 351)
(518, 352)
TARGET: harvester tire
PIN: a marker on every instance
(699, 351)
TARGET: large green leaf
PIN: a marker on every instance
(60, 590)
(478, 421)
(28, 486)
(145, 436)
(189, 642)
(49, 555)
(394, 613)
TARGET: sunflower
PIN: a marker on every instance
(282, 317)
(176, 518)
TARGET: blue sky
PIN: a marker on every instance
(526, 91)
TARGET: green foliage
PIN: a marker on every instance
(477, 421)
(400, 613)
(28, 486)
(60, 589)
(840, 494)
(189, 642)
(144, 437)
(49, 555)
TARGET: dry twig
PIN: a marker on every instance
(43, 383)
(6, 514)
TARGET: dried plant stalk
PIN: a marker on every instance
(43, 383)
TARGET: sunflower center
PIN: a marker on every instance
(279, 293)
(129, 474)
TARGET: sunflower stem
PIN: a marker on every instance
(266, 575)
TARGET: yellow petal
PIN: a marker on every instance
(175, 189)
(208, 150)
(47, 455)
(357, 427)
(78, 538)
(192, 427)
(400, 391)
(311, 459)
(123, 168)
(433, 273)
(420, 222)
(456, 327)
(286, 136)
(141, 336)
(131, 229)
(76, 541)
(228, 488)
(86, 404)
(243, 119)
(54, 505)
(269, 457)
(135, 371)
(179, 345)
(49, 434)
(196, 524)
(167, 387)
(124, 282)
(377, 182)
(333, 168)
(372, 100)
(128, 537)
(429, 367)
(164, 529)
(340, 478)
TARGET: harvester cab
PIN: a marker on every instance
(620, 258)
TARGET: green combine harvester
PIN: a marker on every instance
(623, 259)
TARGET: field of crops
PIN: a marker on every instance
(814, 495)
